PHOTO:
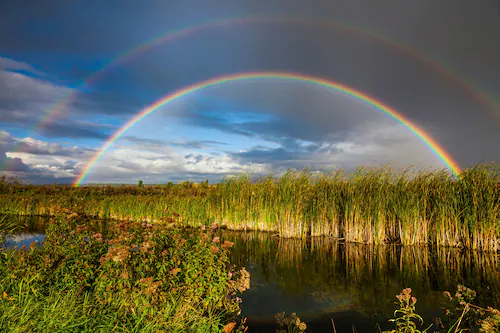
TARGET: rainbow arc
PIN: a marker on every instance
(424, 137)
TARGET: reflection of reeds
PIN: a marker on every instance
(371, 273)
(370, 206)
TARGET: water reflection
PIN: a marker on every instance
(23, 240)
(320, 279)
(30, 229)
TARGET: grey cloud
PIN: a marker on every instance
(10, 143)
(12, 164)
(16, 87)
(371, 145)
(13, 65)
(307, 113)
(43, 165)
(26, 101)
(195, 144)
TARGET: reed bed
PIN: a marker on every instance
(369, 206)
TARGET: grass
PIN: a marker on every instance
(128, 277)
(371, 205)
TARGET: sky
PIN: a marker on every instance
(73, 73)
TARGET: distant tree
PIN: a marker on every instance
(140, 185)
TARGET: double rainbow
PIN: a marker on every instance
(398, 46)
(225, 79)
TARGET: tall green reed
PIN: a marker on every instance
(371, 205)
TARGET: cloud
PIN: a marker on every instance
(277, 110)
(12, 164)
(39, 161)
(158, 160)
(8, 64)
(371, 145)
(25, 102)
(159, 143)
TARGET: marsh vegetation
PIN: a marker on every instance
(370, 206)
(155, 258)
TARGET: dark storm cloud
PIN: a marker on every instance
(12, 164)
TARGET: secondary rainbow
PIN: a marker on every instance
(173, 35)
(289, 76)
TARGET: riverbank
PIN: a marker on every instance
(130, 277)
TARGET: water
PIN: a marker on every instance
(32, 230)
(321, 279)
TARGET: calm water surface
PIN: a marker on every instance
(322, 279)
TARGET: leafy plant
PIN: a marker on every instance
(406, 318)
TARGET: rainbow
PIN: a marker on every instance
(407, 51)
(357, 95)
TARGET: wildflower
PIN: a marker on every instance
(145, 246)
(124, 275)
(280, 318)
(216, 240)
(214, 249)
(227, 244)
(229, 327)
